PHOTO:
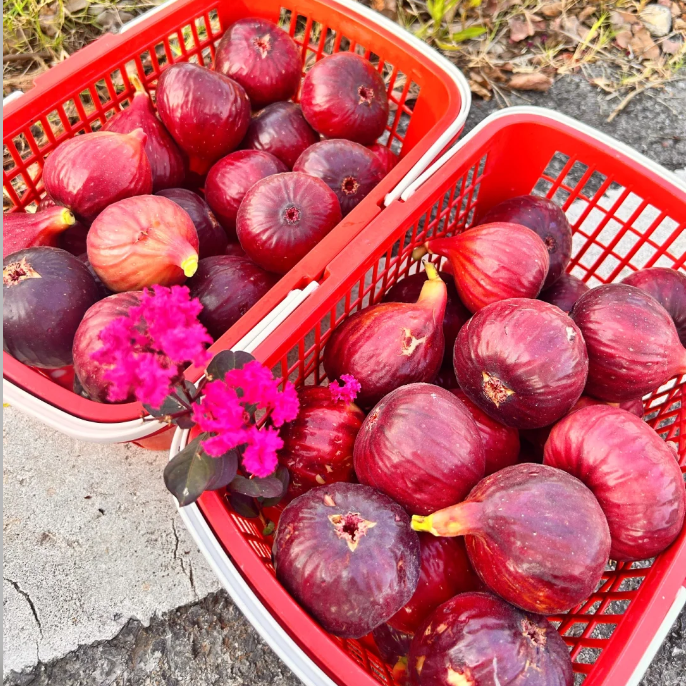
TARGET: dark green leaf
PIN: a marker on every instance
(225, 361)
(269, 487)
(244, 505)
(269, 529)
(284, 477)
(171, 405)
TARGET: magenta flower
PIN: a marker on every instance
(259, 457)
(348, 391)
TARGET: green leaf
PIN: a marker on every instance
(468, 34)
(171, 405)
(225, 361)
(269, 487)
(269, 529)
(244, 505)
(284, 477)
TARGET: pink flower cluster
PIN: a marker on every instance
(146, 349)
(226, 413)
(348, 391)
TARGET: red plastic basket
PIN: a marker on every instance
(627, 213)
(429, 98)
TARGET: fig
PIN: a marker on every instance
(493, 262)
(235, 250)
(232, 177)
(46, 291)
(87, 341)
(545, 218)
(89, 172)
(523, 362)
(211, 236)
(501, 443)
(45, 203)
(166, 161)
(143, 241)
(24, 230)
(564, 292)
(206, 113)
(318, 444)
(349, 169)
(535, 535)
(394, 647)
(476, 639)
(633, 345)
(283, 217)
(631, 471)
(420, 446)
(227, 287)
(104, 291)
(281, 130)
(343, 96)
(386, 156)
(263, 58)
(347, 554)
(74, 239)
(444, 571)
(668, 287)
(388, 345)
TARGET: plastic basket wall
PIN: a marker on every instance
(625, 217)
(80, 94)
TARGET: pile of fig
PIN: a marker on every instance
(224, 180)
(499, 415)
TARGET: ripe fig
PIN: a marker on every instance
(347, 554)
(29, 230)
(564, 292)
(388, 345)
(535, 535)
(476, 639)
(633, 345)
(446, 374)
(89, 172)
(523, 362)
(493, 262)
(74, 239)
(631, 471)
(386, 156)
(394, 647)
(420, 446)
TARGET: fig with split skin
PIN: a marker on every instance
(347, 554)
(22, 230)
(388, 345)
(632, 472)
(535, 535)
(420, 446)
(564, 292)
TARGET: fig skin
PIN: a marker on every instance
(631, 471)
(349, 169)
(564, 292)
(46, 292)
(388, 345)
(668, 287)
(386, 156)
(281, 130)
(394, 647)
(420, 446)
(74, 239)
(343, 96)
(476, 639)
(89, 172)
(546, 219)
(347, 554)
(318, 444)
(166, 161)
(633, 345)
(494, 262)
(535, 535)
(283, 217)
(263, 58)
(523, 362)
(206, 113)
(446, 374)
(22, 230)
(501, 443)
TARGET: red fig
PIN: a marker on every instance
(24, 230)
(318, 444)
(631, 471)
(283, 217)
(235, 250)
(45, 203)
(545, 218)
(166, 162)
(206, 113)
(668, 287)
(564, 292)
(89, 172)
(446, 374)
(386, 156)
(501, 443)
(388, 345)
(349, 169)
(493, 262)
(420, 446)
(347, 554)
(523, 362)
(476, 639)
(394, 647)
(535, 535)
(143, 241)
(232, 177)
(74, 239)
(281, 130)
(343, 96)
(263, 58)
(633, 345)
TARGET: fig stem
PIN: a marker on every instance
(190, 265)
(457, 520)
(67, 217)
(432, 272)
(419, 252)
(137, 85)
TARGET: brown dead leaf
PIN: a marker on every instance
(520, 29)
(494, 74)
(671, 46)
(479, 90)
(388, 8)
(643, 45)
(530, 82)
(623, 38)
(680, 25)
(552, 9)
(675, 9)
(587, 12)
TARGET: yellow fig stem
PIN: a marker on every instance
(419, 252)
(67, 217)
(457, 520)
(190, 265)
(432, 272)
(137, 85)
